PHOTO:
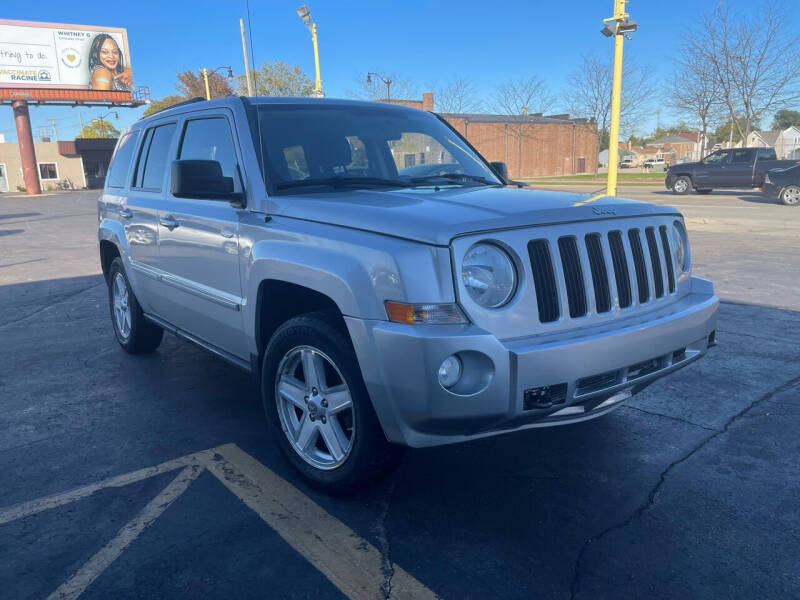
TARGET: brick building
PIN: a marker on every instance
(531, 145)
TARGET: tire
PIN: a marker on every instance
(790, 195)
(704, 191)
(134, 333)
(308, 430)
(682, 185)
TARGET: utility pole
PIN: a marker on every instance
(205, 78)
(246, 62)
(80, 120)
(55, 131)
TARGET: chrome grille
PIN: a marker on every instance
(598, 271)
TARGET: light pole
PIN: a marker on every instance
(619, 27)
(305, 15)
(387, 82)
(205, 78)
(103, 123)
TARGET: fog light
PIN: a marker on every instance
(450, 371)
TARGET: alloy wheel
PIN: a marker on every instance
(122, 308)
(315, 407)
(791, 195)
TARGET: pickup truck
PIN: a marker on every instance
(729, 168)
(378, 309)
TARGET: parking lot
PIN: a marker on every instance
(153, 476)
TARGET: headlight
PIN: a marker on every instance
(681, 242)
(488, 274)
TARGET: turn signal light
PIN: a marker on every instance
(401, 312)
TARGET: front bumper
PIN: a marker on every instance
(586, 373)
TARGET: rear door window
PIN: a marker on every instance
(766, 153)
(156, 159)
(743, 156)
(122, 160)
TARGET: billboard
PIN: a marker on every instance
(57, 56)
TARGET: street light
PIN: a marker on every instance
(387, 82)
(103, 116)
(305, 14)
(619, 27)
(205, 78)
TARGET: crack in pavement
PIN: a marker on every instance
(60, 300)
(651, 497)
(387, 566)
(657, 414)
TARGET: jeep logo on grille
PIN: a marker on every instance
(604, 211)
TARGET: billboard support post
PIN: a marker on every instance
(27, 152)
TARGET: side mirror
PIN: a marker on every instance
(201, 179)
(500, 168)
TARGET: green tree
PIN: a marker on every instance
(786, 118)
(165, 102)
(99, 128)
(277, 79)
(723, 132)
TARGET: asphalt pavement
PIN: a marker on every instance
(154, 476)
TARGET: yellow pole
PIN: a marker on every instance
(616, 100)
(318, 80)
(205, 78)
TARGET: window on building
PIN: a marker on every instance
(48, 171)
(122, 160)
(209, 139)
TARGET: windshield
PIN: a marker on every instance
(323, 148)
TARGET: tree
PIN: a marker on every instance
(786, 118)
(277, 79)
(99, 128)
(589, 93)
(754, 57)
(458, 95)
(695, 92)
(730, 130)
(165, 102)
(517, 100)
(192, 85)
(401, 87)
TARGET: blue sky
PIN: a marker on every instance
(425, 41)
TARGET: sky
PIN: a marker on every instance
(424, 41)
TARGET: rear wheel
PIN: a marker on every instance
(790, 196)
(134, 333)
(318, 407)
(682, 185)
(704, 191)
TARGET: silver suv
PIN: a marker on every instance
(381, 303)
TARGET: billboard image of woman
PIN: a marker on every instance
(107, 65)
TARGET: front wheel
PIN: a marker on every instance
(790, 196)
(682, 185)
(318, 407)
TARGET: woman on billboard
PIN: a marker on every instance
(107, 66)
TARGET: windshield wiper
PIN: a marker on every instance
(341, 182)
(451, 177)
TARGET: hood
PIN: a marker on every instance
(436, 217)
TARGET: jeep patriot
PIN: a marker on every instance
(378, 302)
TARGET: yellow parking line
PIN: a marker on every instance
(92, 569)
(25, 509)
(350, 562)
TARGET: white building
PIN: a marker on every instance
(787, 146)
(762, 139)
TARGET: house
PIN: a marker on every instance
(622, 153)
(701, 143)
(675, 148)
(762, 139)
(787, 146)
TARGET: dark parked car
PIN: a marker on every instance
(783, 184)
(730, 168)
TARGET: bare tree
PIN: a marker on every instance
(457, 95)
(519, 100)
(400, 88)
(589, 93)
(695, 92)
(755, 58)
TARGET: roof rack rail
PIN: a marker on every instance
(189, 101)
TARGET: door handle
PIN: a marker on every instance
(226, 233)
(169, 222)
(125, 213)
